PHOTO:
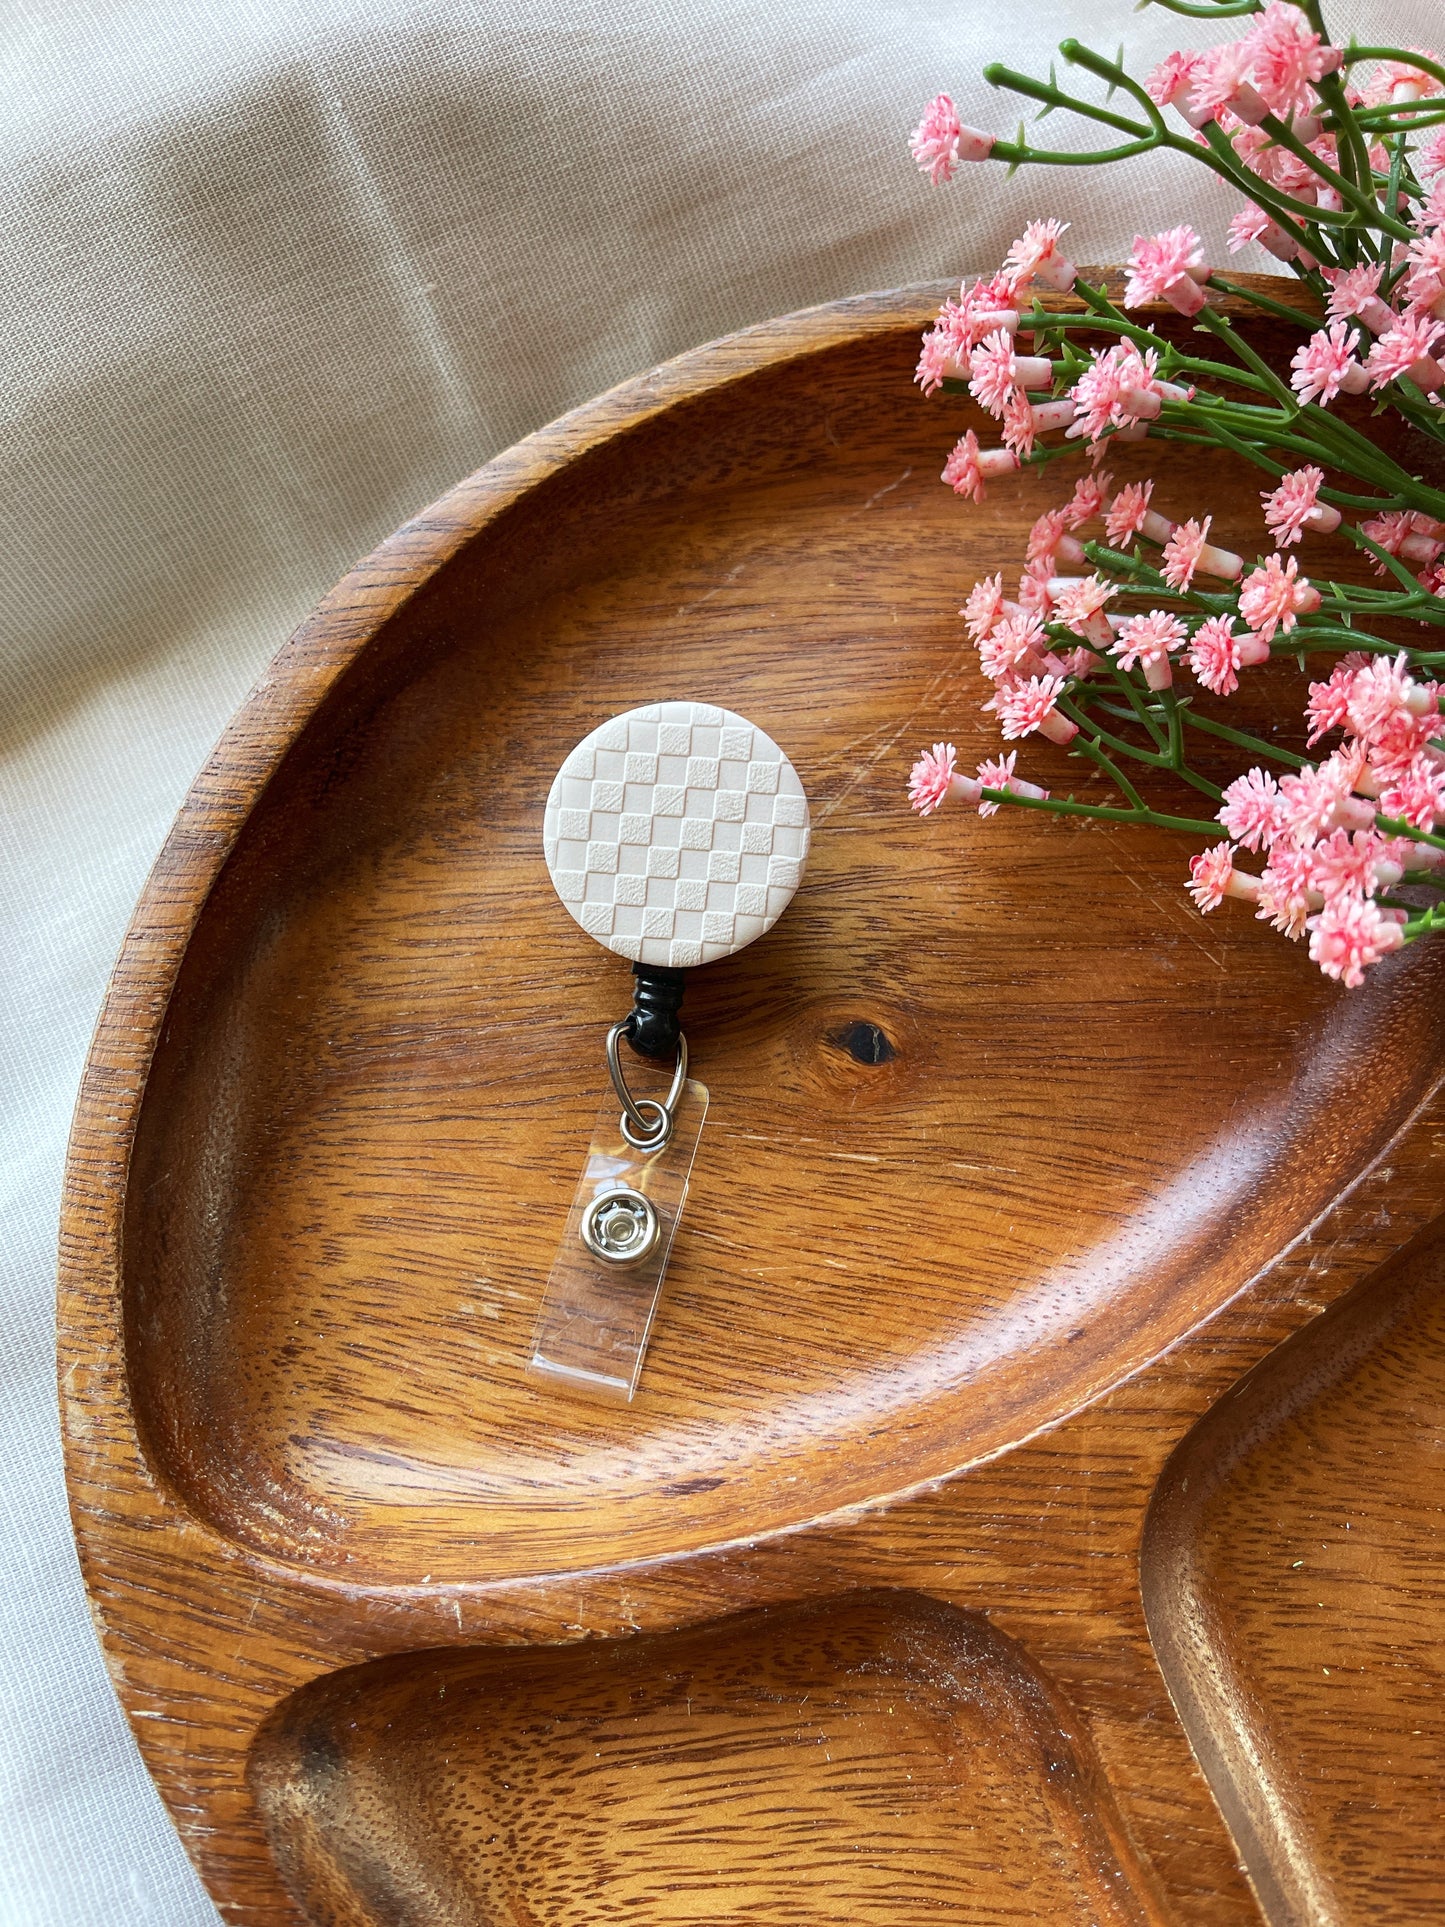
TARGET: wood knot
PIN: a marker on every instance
(865, 1043)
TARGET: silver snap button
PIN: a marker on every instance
(620, 1227)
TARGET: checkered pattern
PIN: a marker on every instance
(676, 834)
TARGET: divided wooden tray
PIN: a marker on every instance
(965, 1381)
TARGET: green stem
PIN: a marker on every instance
(1242, 739)
(1364, 204)
(1081, 746)
(1205, 10)
(1136, 702)
(1051, 95)
(1052, 806)
(1407, 57)
(1396, 826)
(1219, 326)
(1078, 55)
(1281, 310)
(1078, 714)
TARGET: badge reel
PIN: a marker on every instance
(675, 835)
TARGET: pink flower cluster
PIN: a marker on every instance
(1325, 858)
(1273, 69)
(974, 340)
(1012, 636)
(1326, 831)
(934, 778)
(987, 313)
(1368, 343)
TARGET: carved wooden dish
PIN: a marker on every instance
(1015, 1167)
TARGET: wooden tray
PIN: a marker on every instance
(1015, 1167)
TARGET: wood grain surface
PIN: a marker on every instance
(1295, 1582)
(876, 1759)
(1014, 1167)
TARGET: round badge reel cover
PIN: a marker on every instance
(676, 834)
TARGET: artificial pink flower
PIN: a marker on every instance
(1080, 662)
(1383, 692)
(1349, 935)
(1049, 539)
(1295, 506)
(1018, 424)
(1425, 284)
(1014, 645)
(1348, 770)
(1329, 702)
(1417, 795)
(1090, 492)
(984, 606)
(1149, 641)
(996, 775)
(1187, 543)
(999, 775)
(987, 304)
(1214, 655)
(1355, 291)
(1358, 861)
(936, 362)
(1035, 594)
(1024, 419)
(940, 141)
(969, 466)
(1036, 256)
(1274, 595)
(930, 777)
(1169, 267)
(1210, 875)
(997, 372)
(1080, 608)
(1220, 84)
(1288, 59)
(962, 470)
(1253, 224)
(1406, 349)
(1248, 226)
(980, 310)
(1287, 891)
(1406, 533)
(945, 349)
(1395, 746)
(1399, 80)
(1310, 802)
(1326, 366)
(1127, 513)
(1025, 706)
(1119, 387)
(993, 374)
(1431, 157)
(1252, 810)
(1168, 84)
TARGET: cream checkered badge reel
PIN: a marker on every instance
(675, 835)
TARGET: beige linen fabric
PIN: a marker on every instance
(277, 274)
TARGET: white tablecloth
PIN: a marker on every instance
(276, 274)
